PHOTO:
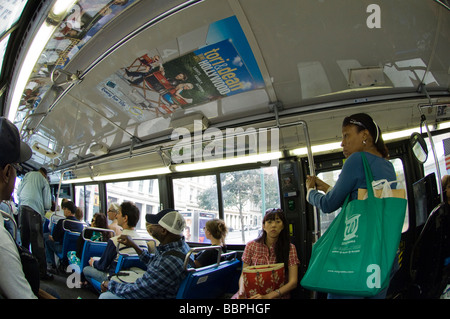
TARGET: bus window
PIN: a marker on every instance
(330, 177)
(246, 196)
(196, 199)
(87, 198)
(429, 166)
(144, 193)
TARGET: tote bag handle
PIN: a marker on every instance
(369, 176)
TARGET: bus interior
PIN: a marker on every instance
(220, 108)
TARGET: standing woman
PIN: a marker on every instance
(273, 246)
(215, 231)
(360, 133)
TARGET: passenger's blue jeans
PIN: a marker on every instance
(51, 248)
(93, 273)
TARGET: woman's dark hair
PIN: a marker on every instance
(363, 121)
(282, 246)
(102, 222)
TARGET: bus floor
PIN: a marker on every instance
(62, 285)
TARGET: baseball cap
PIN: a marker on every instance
(13, 150)
(169, 219)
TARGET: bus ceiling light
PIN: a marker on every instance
(366, 77)
(316, 149)
(60, 9)
(99, 149)
(329, 147)
(42, 36)
(141, 173)
(42, 149)
(77, 180)
(229, 162)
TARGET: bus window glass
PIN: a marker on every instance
(87, 198)
(331, 177)
(10, 12)
(439, 142)
(196, 199)
(143, 193)
(246, 196)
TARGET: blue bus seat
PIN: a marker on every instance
(126, 261)
(69, 241)
(209, 282)
(96, 284)
(45, 227)
(92, 248)
(53, 221)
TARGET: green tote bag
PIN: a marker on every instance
(356, 253)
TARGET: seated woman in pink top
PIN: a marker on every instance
(273, 246)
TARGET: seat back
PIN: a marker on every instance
(92, 248)
(69, 243)
(70, 239)
(53, 221)
(128, 260)
(428, 266)
(209, 282)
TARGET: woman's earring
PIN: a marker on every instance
(364, 142)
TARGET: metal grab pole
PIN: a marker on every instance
(312, 171)
(436, 161)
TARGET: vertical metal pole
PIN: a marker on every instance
(436, 161)
(312, 171)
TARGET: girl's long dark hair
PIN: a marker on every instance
(102, 222)
(282, 246)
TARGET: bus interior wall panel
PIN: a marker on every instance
(292, 191)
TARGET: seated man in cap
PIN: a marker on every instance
(165, 272)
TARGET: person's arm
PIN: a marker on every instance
(159, 280)
(246, 262)
(241, 291)
(13, 284)
(127, 241)
(345, 185)
(46, 196)
(290, 285)
(292, 282)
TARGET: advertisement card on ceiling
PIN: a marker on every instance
(149, 87)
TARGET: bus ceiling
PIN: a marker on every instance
(123, 78)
